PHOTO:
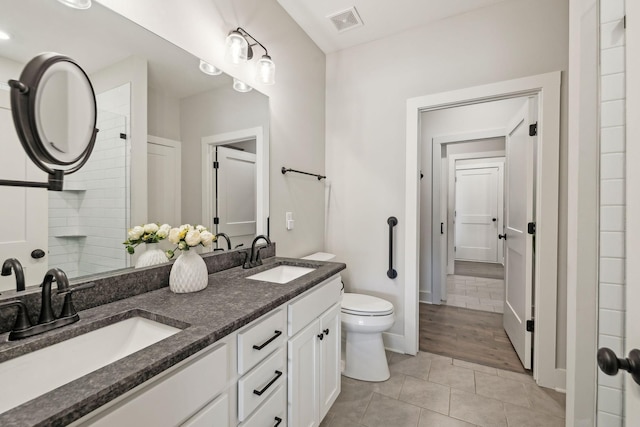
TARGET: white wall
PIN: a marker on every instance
(367, 89)
(163, 114)
(297, 100)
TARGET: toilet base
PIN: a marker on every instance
(366, 359)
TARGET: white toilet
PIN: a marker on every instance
(364, 318)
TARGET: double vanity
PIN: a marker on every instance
(256, 347)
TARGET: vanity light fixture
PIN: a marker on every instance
(4, 36)
(209, 69)
(77, 4)
(241, 86)
(239, 50)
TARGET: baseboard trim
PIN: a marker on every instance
(394, 342)
(425, 296)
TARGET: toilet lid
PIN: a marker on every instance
(366, 305)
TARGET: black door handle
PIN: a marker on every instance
(278, 421)
(494, 219)
(610, 364)
(502, 236)
(321, 336)
(37, 253)
(326, 331)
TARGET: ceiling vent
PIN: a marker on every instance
(346, 19)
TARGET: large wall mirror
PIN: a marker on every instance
(162, 122)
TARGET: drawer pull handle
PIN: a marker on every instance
(278, 421)
(265, 388)
(267, 342)
(326, 331)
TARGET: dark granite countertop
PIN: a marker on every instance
(229, 302)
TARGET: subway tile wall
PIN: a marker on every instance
(89, 219)
(610, 411)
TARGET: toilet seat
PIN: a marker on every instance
(365, 305)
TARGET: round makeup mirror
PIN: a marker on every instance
(54, 112)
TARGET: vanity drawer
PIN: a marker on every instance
(173, 398)
(256, 387)
(310, 306)
(215, 414)
(256, 342)
(274, 409)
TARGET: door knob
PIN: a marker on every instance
(37, 253)
(502, 236)
(610, 364)
(494, 219)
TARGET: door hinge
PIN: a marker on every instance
(123, 136)
(216, 165)
(455, 248)
(216, 220)
(530, 326)
(531, 228)
(533, 129)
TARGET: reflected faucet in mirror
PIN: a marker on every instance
(226, 238)
(253, 259)
(14, 264)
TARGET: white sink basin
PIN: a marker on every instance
(281, 274)
(41, 371)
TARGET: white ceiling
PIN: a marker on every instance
(381, 18)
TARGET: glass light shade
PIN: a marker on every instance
(77, 4)
(241, 86)
(237, 48)
(209, 69)
(4, 36)
(265, 70)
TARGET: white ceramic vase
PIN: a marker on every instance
(152, 255)
(189, 273)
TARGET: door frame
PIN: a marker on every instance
(439, 257)
(547, 87)
(262, 173)
(449, 189)
(177, 165)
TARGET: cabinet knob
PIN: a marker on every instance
(37, 253)
(502, 236)
(326, 331)
(321, 336)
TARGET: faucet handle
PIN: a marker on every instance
(22, 319)
(68, 310)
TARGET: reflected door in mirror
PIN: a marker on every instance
(24, 210)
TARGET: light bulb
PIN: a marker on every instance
(265, 70)
(209, 69)
(77, 4)
(237, 48)
(241, 86)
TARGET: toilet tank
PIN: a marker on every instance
(320, 256)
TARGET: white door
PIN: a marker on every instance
(519, 243)
(302, 377)
(163, 177)
(329, 359)
(235, 188)
(25, 216)
(476, 214)
(632, 331)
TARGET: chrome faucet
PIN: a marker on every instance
(226, 238)
(47, 320)
(14, 264)
(254, 259)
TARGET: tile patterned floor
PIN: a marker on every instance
(476, 293)
(429, 390)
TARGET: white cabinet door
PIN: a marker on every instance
(329, 368)
(303, 377)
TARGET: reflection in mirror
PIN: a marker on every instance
(162, 123)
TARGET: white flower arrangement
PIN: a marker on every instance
(188, 236)
(147, 233)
